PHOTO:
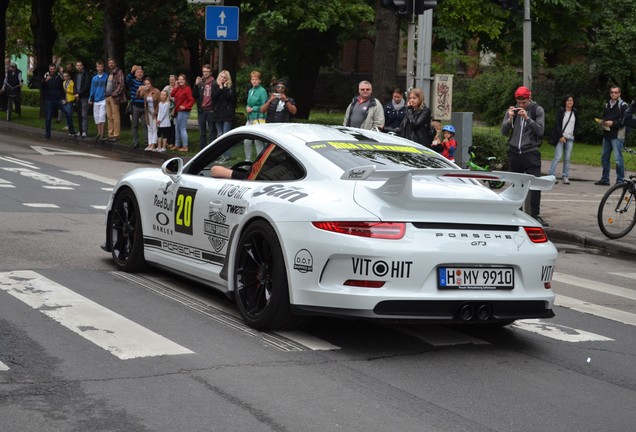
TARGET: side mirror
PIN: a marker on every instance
(173, 168)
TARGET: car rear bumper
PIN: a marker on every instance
(440, 311)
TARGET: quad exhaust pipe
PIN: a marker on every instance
(470, 312)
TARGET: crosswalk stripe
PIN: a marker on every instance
(105, 328)
(3, 367)
(558, 332)
(594, 309)
(593, 285)
(92, 176)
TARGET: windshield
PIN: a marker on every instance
(347, 155)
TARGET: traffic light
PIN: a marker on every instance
(409, 7)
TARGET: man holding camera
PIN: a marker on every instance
(525, 123)
(279, 107)
(202, 93)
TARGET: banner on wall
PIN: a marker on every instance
(442, 101)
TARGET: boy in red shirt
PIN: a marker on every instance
(449, 142)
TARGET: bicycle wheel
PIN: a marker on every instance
(617, 211)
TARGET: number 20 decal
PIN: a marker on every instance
(184, 210)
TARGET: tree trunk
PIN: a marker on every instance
(114, 41)
(114, 26)
(4, 5)
(44, 36)
(385, 54)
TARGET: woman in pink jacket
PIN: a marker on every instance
(183, 102)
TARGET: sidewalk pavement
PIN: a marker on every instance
(570, 210)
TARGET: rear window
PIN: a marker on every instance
(347, 154)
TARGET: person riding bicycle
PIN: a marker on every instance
(12, 85)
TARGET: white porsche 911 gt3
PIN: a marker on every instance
(329, 220)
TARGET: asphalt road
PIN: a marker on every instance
(174, 356)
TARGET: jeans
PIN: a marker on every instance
(82, 114)
(616, 145)
(558, 152)
(221, 128)
(50, 107)
(138, 116)
(206, 123)
(181, 130)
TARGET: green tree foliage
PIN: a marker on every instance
(296, 37)
(613, 51)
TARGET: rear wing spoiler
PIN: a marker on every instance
(399, 181)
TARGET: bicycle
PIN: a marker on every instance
(490, 161)
(12, 93)
(617, 210)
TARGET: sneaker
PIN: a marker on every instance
(566, 180)
(84, 135)
(161, 150)
(601, 183)
(541, 221)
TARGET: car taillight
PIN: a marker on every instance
(379, 230)
(536, 234)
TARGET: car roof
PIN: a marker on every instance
(309, 132)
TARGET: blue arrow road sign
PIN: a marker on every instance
(221, 23)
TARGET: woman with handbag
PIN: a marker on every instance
(562, 136)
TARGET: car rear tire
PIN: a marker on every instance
(126, 235)
(261, 287)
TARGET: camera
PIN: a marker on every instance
(277, 95)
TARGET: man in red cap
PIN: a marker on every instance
(526, 121)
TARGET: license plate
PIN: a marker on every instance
(476, 278)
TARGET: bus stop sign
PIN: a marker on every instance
(221, 23)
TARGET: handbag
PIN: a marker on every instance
(557, 132)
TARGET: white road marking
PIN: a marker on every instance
(99, 207)
(105, 328)
(594, 309)
(58, 187)
(52, 151)
(441, 336)
(92, 176)
(107, 189)
(593, 285)
(305, 339)
(3, 367)
(558, 332)
(627, 275)
(6, 184)
(18, 161)
(40, 205)
(50, 180)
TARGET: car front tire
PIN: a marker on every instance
(126, 235)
